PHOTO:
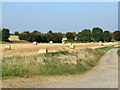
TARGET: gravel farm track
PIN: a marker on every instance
(104, 75)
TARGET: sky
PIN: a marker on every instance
(59, 16)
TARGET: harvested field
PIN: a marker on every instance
(30, 49)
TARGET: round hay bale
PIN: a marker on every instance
(64, 39)
(34, 43)
(63, 42)
(72, 46)
(92, 42)
(41, 51)
(100, 43)
(110, 44)
(51, 42)
(8, 47)
(114, 43)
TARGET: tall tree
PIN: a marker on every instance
(5, 34)
(16, 33)
(116, 35)
(86, 35)
(107, 36)
(80, 38)
(0, 35)
(70, 36)
(36, 32)
(50, 31)
(97, 34)
(24, 35)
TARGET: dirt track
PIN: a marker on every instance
(105, 75)
(30, 49)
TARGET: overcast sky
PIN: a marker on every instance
(59, 16)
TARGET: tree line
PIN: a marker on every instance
(86, 35)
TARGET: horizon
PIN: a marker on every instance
(59, 16)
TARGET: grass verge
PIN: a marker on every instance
(26, 66)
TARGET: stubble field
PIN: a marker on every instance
(30, 49)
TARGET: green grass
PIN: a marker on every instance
(118, 52)
(26, 66)
(105, 48)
